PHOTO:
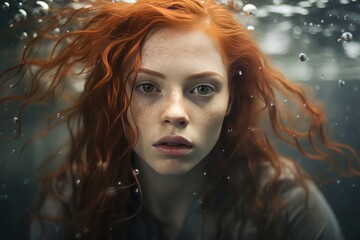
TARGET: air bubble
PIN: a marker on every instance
(78, 181)
(204, 173)
(285, 99)
(16, 120)
(136, 190)
(250, 27)
(21, 15)
(228, 177)
(5, 6)
(194, 193)
(136, 171)
(341, 83)
(26, 181)
(338, 181)
(41, 8)
(78, 235)
(56, 31)
(119, 183)
(4, 197)
(302, 57)
(250, 10)
(240, 73)
(24, 36)
(322, 76)
(13, 151)
(346, 37)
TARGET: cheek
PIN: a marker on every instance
(141, 116)
(212, 123)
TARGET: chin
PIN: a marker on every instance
(171, 167)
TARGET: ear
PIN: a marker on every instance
(229, 107)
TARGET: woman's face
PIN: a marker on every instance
(180, 99)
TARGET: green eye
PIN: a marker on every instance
(203, 90)
(147, 88)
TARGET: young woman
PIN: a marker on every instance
(173, 133)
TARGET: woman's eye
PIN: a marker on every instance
(147, 88)
(203, 90)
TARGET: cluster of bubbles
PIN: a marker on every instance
(41, 8)
(345, 37)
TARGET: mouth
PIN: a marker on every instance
(174, 141)
(173, 145)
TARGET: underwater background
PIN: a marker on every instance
(314, 42)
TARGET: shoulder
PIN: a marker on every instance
(309, 215)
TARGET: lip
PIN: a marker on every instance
(174, 139)
(183, 149)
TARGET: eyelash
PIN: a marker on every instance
(141, 88)
(210, 89)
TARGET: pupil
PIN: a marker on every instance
(202, 90)
(147, 88)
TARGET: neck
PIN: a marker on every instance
(167, 197)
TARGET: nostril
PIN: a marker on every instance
(182, 122)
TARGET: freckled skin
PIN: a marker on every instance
(174, 107)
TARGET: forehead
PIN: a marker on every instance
(179, 43)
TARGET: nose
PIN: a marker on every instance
(175, 112)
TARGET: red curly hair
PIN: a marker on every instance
(103, 49)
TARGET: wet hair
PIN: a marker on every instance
(102, 50)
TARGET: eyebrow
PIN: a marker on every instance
(193, 76)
